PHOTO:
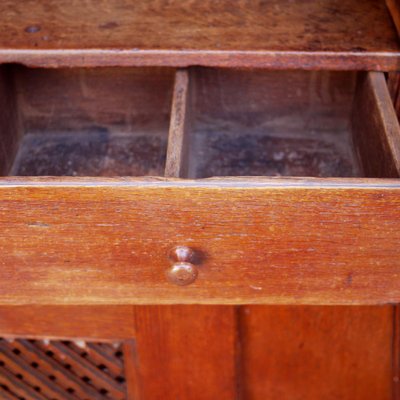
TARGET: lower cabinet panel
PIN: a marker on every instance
(207, 352)
(296, 353)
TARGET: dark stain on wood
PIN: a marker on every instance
(91, 154)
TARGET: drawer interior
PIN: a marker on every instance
(272, 123)
(92, 122)
(193, 123)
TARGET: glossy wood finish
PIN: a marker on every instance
(99, 323)
(317, 353)
(337, 262)
(113, 218)
(333, 34)
(253, 352)
(186, 351)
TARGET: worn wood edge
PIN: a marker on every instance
(387, 114)
(155, 299)
(177, 138)
(218, 183)
(379, 61)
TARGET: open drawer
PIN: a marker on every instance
(297, 207)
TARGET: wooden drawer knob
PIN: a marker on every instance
(182, 271)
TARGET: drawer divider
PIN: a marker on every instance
(178, 141)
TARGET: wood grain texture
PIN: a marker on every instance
(296, 353)
(102, 323)
(332, 34)
(186, 352)
(271, 123)
(333, 241)
(106, 100)
(376, 130)
(177, 153)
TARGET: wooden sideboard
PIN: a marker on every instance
(200, 199)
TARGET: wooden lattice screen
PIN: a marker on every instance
(58, 370)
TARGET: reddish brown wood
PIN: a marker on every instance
(186, 351)
(317, 353)
(63, 322)
(131, 369)
(280, 34)
(244, 241)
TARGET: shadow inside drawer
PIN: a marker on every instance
(90, 154)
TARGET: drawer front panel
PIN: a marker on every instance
(108, 242)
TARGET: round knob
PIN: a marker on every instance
(182, 271)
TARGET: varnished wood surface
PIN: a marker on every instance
(339, 34)
(66, 322)
(307, 353)
(325, 242)
(186, 352)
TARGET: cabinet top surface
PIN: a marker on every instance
(210, 29)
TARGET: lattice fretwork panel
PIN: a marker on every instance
(61, 370)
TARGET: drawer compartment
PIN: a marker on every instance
(319, 226)
(272, 123)
(91, 122)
